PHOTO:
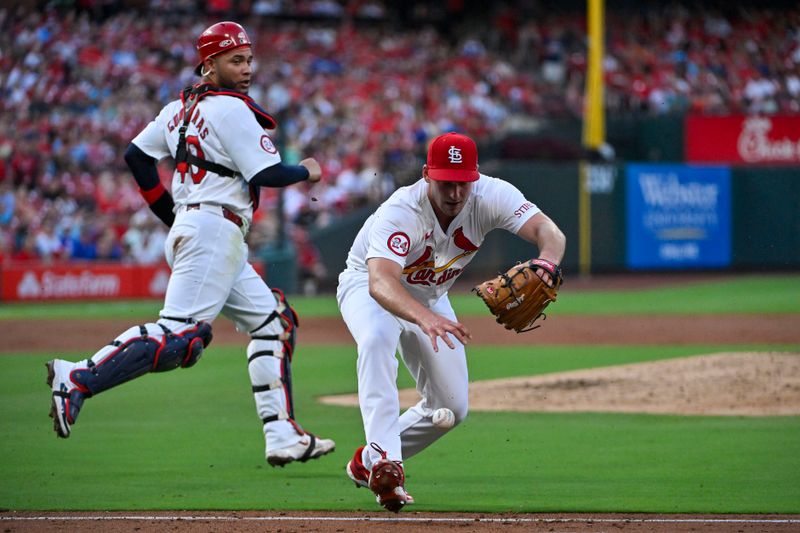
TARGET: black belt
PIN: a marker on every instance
(227, 213)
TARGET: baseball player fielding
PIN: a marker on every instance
(393, 296)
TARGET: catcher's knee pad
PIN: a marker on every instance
(143, 349)
(182, 349)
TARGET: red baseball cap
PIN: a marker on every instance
(221, 37)
(453, 157)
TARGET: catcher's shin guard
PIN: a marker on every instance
(139, 350)
(269, 356)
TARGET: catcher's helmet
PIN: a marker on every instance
(221, 37)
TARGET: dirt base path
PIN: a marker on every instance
(320, 522)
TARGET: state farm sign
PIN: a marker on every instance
(82, 281)
(754, 140)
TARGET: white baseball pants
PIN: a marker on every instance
(211, 274)
(441, 377)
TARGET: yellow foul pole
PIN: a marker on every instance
(594, 127)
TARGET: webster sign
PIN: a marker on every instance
(752, 140)
(677, 216)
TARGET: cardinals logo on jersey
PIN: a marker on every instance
(460, 240)
(423, 270)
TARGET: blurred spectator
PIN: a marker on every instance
(311, 269)
(7, 203)
(83, 246)
(27, 251)
(48, 244)
(108, 246)
(143, 242)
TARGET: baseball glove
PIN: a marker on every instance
(519, 296)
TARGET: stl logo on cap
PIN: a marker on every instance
(453, 157)
(455, 154)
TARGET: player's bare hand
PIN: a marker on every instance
(314, 170)
(438, 326)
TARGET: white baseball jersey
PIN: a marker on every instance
(405, 230)
(222, 130)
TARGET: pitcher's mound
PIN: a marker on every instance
(738, 384)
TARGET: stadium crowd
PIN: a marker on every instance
(350, 85)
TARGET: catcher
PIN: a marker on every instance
(393, 296)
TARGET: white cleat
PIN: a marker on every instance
(308, 447)
(66, 399)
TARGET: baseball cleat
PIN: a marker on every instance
(67, 397)
(357, 471)
(308, 447)
(386, 481)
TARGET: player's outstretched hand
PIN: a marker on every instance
(314, 170)
(438, 326)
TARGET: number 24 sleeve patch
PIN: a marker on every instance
(399, 243)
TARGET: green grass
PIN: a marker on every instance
(746, 295)
(190, 439)
(765, 294)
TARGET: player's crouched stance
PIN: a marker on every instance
(393, 296)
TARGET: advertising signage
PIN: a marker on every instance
(744, 140)
(678, 216)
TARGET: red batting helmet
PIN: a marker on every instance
(221, 37)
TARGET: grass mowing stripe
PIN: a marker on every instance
(767, 294)
(189, 439)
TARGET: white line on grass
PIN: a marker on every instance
(54, 518)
